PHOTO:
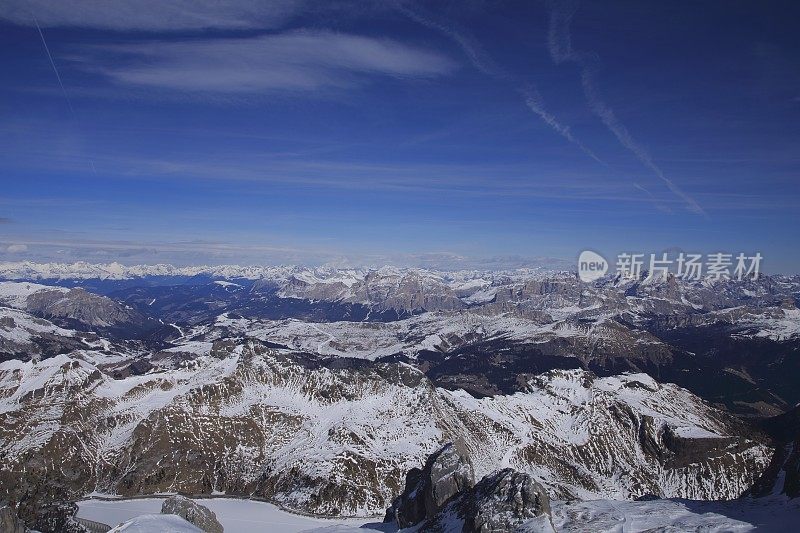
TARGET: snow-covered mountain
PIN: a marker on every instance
(70, 304)
(333, 438)
(29, 271)
(318, 389)
(526, 292)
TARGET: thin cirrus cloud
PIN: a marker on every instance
(151, 15)
(300, 60)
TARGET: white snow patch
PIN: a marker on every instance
(15, 294)
(157, 523)
(735, 516)
(235, 515)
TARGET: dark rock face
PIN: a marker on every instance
(501, 501)
(444, 490)
(58, 518)
(9, 521)
(192, 512)
(445, 475)
(782, 475)
(784, 427)
(411, 506)
(791, 485)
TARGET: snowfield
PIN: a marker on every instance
(19, 327)
(160, 523)
(739, 516)
(15, 294)
(438, 331)
(774, 514)
(235, 515)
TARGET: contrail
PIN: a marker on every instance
(473, 50)
(559, 41)
(622, 134)
(534, 102)
(656, 202)
(484, 63)
(60, 83)
(53, 64)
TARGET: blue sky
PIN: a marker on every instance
(413, 133)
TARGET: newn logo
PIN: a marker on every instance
(591, 266)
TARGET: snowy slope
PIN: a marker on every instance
(235, 515)
(338, 440)
(740, 516)
(16, 295)
(601, 516)
(156, 523)
(58, 302)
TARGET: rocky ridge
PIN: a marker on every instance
(301, 431)
(443, 496)
(536, 373)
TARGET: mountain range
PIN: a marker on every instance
(319, 389)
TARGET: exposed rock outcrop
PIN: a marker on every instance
(192, 512)
(443, 494)
(58, 518)
(791, 482)
(502, 501)
(444, 475)
(9, 521)
(782, 475)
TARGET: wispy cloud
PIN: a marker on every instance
(251, 173)
(298, 61)
(205, 252)
(560, 46)
(151, 15)
(179, 252)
